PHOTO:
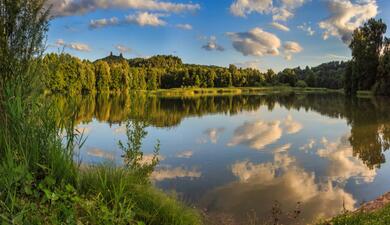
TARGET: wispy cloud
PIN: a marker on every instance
(103, 22)
(77, 46)
(308, 29)
(122, 48)
(141, 19)
(254, 64)
(185, 154)
(184, 26)
(174, 173)
(280, 26)
(80, 7)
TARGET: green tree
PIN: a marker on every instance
(288, 76)
(210, 78)
(366, 45)
(382, 87)
(152, 80)
(197, 81)
(103, 76)
(90, 79)
(269, 76)
(310, 78)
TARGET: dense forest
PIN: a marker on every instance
(68, 74)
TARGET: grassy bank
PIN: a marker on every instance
(379, 217)
(40, 182)
(177, 92)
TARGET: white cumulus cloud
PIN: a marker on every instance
(244, 7)
(255, 42)
(146, 19)
(281, 10)
(346, 16)
(291, 47)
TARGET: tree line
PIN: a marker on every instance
(69, 74)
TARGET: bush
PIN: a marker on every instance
(301, 84)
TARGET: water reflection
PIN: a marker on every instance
(212, 135)
(100, 153)
(234, 154)
(343, 165)
(173, 173)
(185, 154)
(257, 134)
(259, 185)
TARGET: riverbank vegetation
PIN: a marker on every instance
(40, 180)
(379, 217)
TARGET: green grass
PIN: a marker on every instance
(175, 92)
(128, 195)
(379, 217)
(365, 94)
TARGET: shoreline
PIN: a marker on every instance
(194, 92)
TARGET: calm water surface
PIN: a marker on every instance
(238, 156)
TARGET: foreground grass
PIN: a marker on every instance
(129, 199)
(40, 183)
(379, 217)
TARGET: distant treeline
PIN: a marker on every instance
(68, 74)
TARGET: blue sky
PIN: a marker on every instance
(250, 33)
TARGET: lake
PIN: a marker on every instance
(245, 157)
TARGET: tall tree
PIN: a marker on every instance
(23, 26)
(382, 86)
(103, 76)
(366, 45)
